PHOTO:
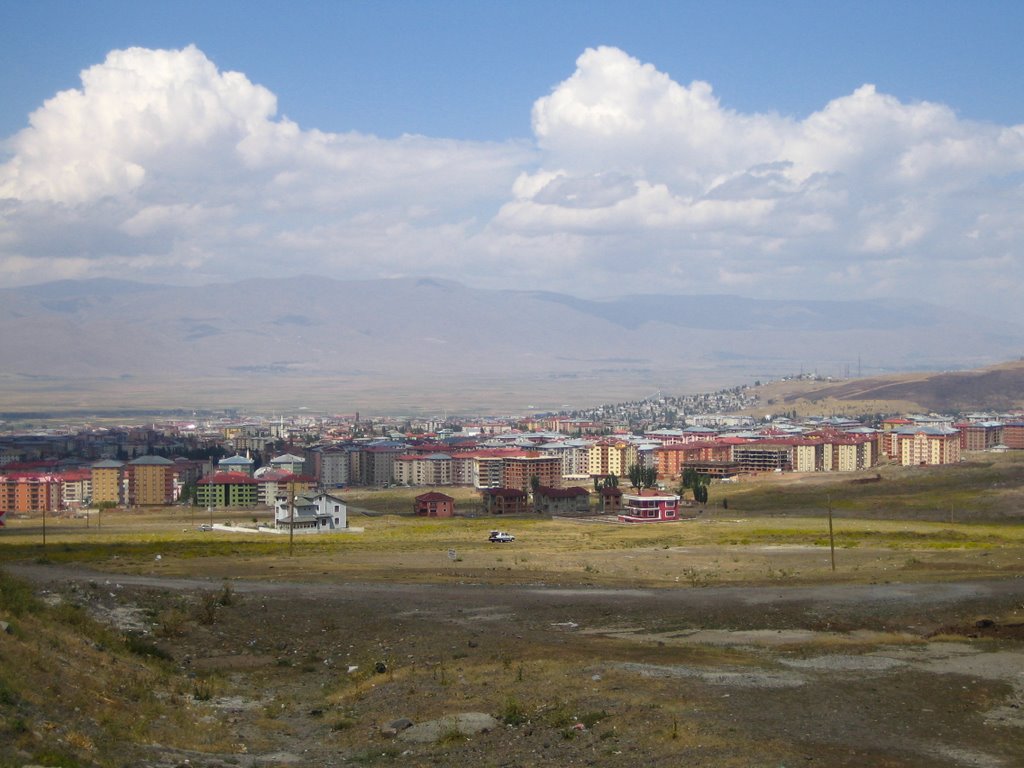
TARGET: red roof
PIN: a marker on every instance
(229, 478)
(434, 496)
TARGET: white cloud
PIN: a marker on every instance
(161, 166)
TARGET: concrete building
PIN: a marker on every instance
(611, 457)
(289, 462)
(228, 489)
(504, 501)
(918, 446)
(150, 481)
(433, 504)
(520, 471)
(979, 435)
(107, 483)
(236, 463)
(561, 501)
(30, 492)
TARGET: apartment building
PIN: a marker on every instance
(979, 435)
(107, 485)
(150, 481)
(520, 471)
(927, 445)
(228, 489)
(611, 457)
(30, 492)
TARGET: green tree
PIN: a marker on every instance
(636, 475)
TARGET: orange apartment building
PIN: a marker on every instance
(150, 481)
(30, 492)
(672, 460)
(518, 471)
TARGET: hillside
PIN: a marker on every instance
(998, 387)
(408, 344)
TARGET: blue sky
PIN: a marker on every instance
(473, 69)
(825, 149)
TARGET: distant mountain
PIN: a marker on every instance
(422, 339)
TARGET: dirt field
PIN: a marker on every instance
(315, 673)
(723, 641)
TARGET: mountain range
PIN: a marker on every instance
(420, 344)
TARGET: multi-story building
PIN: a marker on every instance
(611, 457)
(107, 483)
(417, 469)
(29, 492)
(520, 471)
(150, 481)
(236, 463)
(76, 488)
(979, 435)
(672, 460)
(927, 445)
(1013, 435)
(289, 462)
(332, 467)
(228, 489)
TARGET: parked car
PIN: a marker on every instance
(205, 527)
(501, 537)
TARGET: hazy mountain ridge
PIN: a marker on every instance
(410, 331)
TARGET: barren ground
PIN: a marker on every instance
(311, 673)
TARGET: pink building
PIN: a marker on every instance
(649, 507)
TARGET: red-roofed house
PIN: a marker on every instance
(433, 504)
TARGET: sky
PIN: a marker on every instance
(787, 149)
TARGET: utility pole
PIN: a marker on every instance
(291, 517)
(831, 536)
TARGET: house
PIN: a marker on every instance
(433, 504)
(504, 501)
(611, 500)
(561, 501)
(311, 513)
(649, 506)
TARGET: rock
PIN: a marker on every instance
(380, 667)
(466, 723)
(401, 724)
(6, 628)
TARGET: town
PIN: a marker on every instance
(635, 461)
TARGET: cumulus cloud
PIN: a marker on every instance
(162, 166)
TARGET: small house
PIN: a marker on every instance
(433, 504)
